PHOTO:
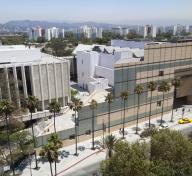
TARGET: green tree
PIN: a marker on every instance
(124, 97)
(127, 160)
(6, 109)
(57, 143)
(32, 104)
(54, 107)
(109, 143)
(152, 86)
(138, 91)
(109, 100)
(167, 153)
(174, 150)
(164, 87)
(93, 106)
(23, 140)
(48, 152)
(74, 92)
(176, 82)
(76, 105)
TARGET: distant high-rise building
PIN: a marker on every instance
(150, 31)
(125, 31)
(35, 33)
(54, 33)
(89, 32)
(178, 29)
(100, 33)
(117, 30)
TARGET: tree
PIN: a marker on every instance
(164, 87)
(167, 153)
(57, 143)
(173, 149)
(92, 106)
(23, 140)
(54, 107)
(32, 104)
(7, 109)
(74, 92)
(128, 159)
(109, 100)
(76, 105)
(124, 97)
(109, 143)
(138, 91)
(48, 152)
(176, 82)
(152, 86)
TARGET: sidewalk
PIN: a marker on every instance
(71, 163)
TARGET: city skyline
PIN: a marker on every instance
(118, 12)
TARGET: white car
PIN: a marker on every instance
(164, 125)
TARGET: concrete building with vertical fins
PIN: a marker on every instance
(26, 71)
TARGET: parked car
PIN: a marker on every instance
(184, 120)
(164, 125)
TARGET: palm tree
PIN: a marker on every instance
(176, 83)
(152, 86)
(32, 104)
(124, 97)
(76, 105)
(57, 143)
(48, 152)
(92, 106)
(7, 109)
(164, 87)
(54, 107)
(138, 91)
(109, 143)
(109, 100)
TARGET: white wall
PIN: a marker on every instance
(86, 62)
(106, 73)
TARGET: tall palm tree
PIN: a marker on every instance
(7, 109)
(124, 97)
(109, 143)
(164, 87)
(109, 100)
(138, 91)
(57, 143)
(176, 82)
(48, 152)
(152, 86)
(54, 107)
(32, 104)
(92, 106)
(76, 105)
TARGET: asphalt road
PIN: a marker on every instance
(186, 131)
(91, 170)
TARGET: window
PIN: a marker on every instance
(82, 61)
(82, 73)
(159, 103)
(161, 73)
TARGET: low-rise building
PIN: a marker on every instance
(26, 71)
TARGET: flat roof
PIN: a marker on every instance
(13, 54)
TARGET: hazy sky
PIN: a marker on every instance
(111, 11)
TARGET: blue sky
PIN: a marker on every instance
(111, 11)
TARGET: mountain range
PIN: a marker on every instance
(23, 25)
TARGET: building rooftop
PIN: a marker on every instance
(17, 54)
